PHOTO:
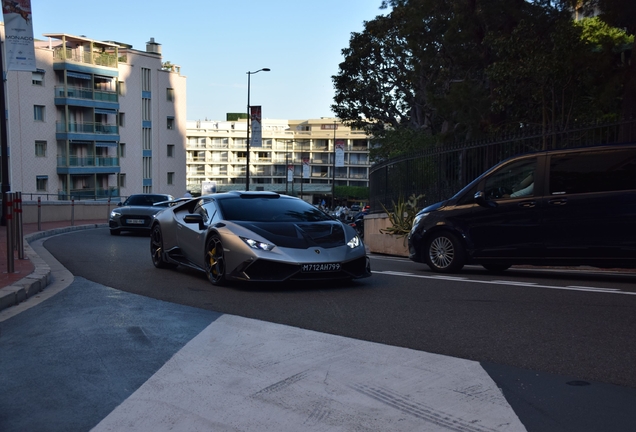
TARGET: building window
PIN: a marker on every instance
(40, 148)
(38, 112)
(145, 79)
(121, 85)
(170, 122)
(122, 150)
(170, 95)
(37, 78)
(146, 109)
(41, 183)
(122, 180)
(121, 119)
(170, 150)
(170, 178)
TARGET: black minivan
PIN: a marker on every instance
(560, 208)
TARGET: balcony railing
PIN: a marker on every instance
(87, 161)
(106, 96)
(83, 56)
(87, 127)
(89, 193)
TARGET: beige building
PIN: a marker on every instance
(98, 119)
(216, 157)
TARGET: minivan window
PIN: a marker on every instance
(513, 180)
(593, 171)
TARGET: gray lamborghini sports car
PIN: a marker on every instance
(256, 236)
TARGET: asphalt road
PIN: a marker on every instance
(525, 350)
(579, 324)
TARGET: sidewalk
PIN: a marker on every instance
(31, 275)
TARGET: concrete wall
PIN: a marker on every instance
(378, 242)
(52, 211)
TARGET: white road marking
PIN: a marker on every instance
(242, 374)
(511, 283)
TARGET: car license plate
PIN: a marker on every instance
(319, 268)
(135, 221)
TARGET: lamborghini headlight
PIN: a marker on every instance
(258, 245)
(354, 242)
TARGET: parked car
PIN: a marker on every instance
(136, 212)
(257, 237)
(560, 207)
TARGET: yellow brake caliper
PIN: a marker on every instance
(212, 260)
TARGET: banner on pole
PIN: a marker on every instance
(18, 29)
(290, 173)
(257, 129)
(340, 145)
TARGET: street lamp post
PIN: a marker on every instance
(287, 166)
(249, 121)
(333, 169)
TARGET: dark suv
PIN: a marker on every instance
(560, 207)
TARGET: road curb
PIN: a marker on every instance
(40, 278)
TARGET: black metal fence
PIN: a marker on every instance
(438, 173)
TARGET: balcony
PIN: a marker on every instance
(85, 56)
(85, 93)
(87, 127)
(88, 161)
(195, 159)
(89, 193)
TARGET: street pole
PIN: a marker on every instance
(4, 142)
(249, 122)
(286, 167)
(333, 171)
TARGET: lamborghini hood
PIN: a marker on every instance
(300, 235)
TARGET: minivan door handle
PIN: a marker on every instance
(527, 204)
(558, 201)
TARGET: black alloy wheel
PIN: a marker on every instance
(156, 249)
(215, 261)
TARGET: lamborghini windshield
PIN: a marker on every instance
(270, 209)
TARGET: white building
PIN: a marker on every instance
(97, 119)
(216, 153)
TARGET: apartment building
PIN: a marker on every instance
(297, 157)
(97, 120)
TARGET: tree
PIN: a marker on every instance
(621, 14)
(432, 71)
(540, 76)
(421, 67)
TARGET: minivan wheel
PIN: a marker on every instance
(496, 267)
(444, 253)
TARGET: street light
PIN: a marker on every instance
(249, 121)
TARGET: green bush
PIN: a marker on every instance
(402, 216)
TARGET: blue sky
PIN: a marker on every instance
(217, 42)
